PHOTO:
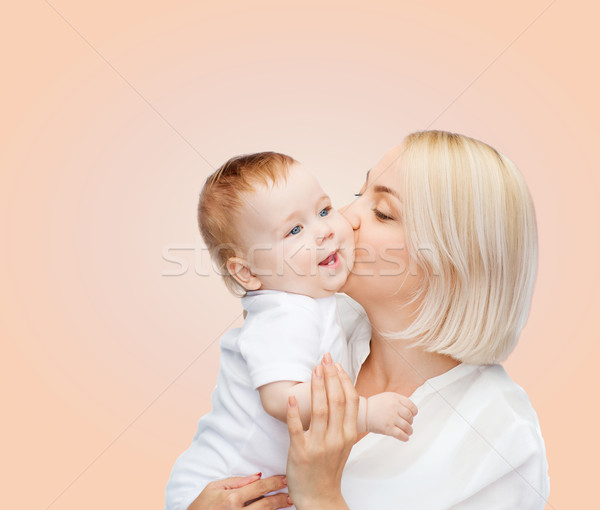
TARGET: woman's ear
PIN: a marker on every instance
(240, 270)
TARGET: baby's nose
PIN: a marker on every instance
(324, 235)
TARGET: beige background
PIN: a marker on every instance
(113, 113)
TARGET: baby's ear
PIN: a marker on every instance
(239, 269)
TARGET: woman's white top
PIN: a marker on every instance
(476, 443)
(283, 338)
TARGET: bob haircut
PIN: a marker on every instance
(470, 226)
(222, 202)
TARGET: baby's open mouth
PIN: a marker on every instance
(330, 260)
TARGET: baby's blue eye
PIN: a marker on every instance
(295, 230)
(324, 212)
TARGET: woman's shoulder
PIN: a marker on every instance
(506, 420)
(483, 392)
(492, 424)
(487, 396)
(503, 412)
(502, 394)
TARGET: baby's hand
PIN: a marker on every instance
(391, 414)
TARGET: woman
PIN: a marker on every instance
(445, 266)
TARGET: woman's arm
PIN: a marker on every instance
(316, 458)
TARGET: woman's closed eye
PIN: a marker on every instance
(381, 215)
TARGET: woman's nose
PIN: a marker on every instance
(351, 213)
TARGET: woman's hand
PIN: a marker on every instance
(234, 493)
(316, 458)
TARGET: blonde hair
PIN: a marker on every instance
(470, 225)
(222, 201)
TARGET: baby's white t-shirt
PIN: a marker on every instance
(283, 338)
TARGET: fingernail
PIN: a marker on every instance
(327, 359)
(292, 401)
(319, 372)
(289, 500)
(284, 480)
(259, 474)
(338, 367)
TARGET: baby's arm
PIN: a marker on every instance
(274, 398)
(386, 413)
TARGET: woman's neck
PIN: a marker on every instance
(393, 365)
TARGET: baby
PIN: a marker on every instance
(278, 242)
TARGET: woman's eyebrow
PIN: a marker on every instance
(384, 189)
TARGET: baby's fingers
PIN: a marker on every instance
(408, 403)
(399, 434)
(405, 413)
(404, 426)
